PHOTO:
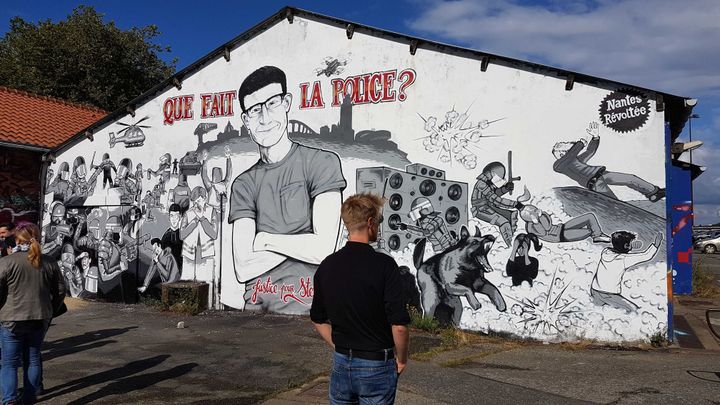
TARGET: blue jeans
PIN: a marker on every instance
(23, 344)
(360, 381)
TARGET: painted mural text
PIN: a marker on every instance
(178, 108)
(625, 110)
(378, 87)
(302, 293)
(212, 105)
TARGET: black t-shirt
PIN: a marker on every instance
(359, 292)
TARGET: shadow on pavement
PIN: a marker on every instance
(75, 344)
(117, 373)
(712, 376)
(134, 383)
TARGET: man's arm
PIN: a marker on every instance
(325, 331)
(248, 262)
(186, 227)
(411, 228)
(401, 337)
(633, 259)
(309, 247)
(495, 199)
(203, 174)
(210, 226)
(589, 150)
(228, 170)
(150, 274)
(545, 222)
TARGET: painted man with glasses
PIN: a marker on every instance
(285, 209)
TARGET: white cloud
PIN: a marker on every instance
(707, 214)
(666, 45)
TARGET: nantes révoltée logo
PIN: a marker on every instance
(625, 110)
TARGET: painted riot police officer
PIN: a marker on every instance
(429, 224)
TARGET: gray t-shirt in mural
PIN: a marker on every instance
(279, 196)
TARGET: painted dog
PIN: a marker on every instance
(457, 272)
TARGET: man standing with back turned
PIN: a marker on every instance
(358, 310)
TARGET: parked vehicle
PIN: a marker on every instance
(700, 236)
(709, 246)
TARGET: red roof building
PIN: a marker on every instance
(31, 125)
(42, 122)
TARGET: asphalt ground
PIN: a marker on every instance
(128, 354)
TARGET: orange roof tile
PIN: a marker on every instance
(46, 122)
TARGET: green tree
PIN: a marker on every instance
(82, 59)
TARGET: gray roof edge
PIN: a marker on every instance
(289, 12)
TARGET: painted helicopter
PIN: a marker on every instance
(133, 136)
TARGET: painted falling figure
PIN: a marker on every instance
(572, 161)
(539, 223)
(606, 287)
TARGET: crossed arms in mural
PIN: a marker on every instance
(256, 253)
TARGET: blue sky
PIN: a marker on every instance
(666, 45)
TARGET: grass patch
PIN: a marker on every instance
(704, 284)
(153, 303)
(450, 336)
(185, 303)
(477, 356)
(659, 339)
(426, 323)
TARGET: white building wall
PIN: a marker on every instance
(506, 108)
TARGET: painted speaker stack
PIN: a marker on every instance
(402, 188)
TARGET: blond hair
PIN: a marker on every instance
(29, 234)
(358, 208)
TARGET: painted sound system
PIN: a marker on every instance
(402, 188)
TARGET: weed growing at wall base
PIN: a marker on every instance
(704, 284)
(419, 321)
(184, 303)
(659, 339)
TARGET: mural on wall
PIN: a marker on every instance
(238, 182)
(457, 272)
(19, 186)
(456, 138)
(520, 265)
(614, 262)
(332, 66)
(572, 161)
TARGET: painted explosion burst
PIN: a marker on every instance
(549, 315)
(455, 139)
